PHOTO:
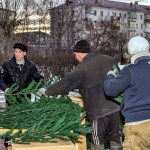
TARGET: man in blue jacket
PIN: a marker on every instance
(134, 82)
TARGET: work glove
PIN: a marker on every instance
(6, 90)
(41, 92)
(113, 72)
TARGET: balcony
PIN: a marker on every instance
(147, 30)
(132, 16)
(114, 27)
(147, 18)
(131, 29)
(117, 18)
(132, 19)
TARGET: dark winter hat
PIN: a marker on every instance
(21, 46)
(82, 46)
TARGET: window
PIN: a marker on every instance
(125, 15)
(87, 10)
(94, 12)
(141, 26)
(147, 35)
(132, 16)
(120, 15)
(132, 25)
(101, 13)
(132, 33)
(141, 17)
(114, 14)
(108, 14)
(125, 25)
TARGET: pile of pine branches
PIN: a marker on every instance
(45, 120)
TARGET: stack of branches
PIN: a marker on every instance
(45, 120)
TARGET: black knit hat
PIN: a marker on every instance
(82, 46)
(21, 46)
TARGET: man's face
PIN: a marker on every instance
(19, 54)
(78, 56)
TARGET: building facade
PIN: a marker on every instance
(130, 18)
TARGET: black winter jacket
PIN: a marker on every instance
(89, 77)
(11, 73)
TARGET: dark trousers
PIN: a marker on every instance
(106, 128)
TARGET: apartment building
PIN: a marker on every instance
(130, 18)
(147, 22)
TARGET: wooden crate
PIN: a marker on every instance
(61, 145)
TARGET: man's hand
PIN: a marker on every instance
(41, 92)
(113, 72)
(6, 90)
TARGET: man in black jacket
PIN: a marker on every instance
(88, 77)
(18, 70)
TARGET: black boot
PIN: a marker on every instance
(6, 144)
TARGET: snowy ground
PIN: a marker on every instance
(2, 99)
(2, 104)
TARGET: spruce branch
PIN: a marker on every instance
(119, 98)
(45, 120)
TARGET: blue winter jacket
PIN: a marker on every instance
(134, 82)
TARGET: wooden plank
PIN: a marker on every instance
(82, 142)
(61, 145)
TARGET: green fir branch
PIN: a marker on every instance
(45, 120)
(119, 98)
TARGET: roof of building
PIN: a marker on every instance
(111, 4)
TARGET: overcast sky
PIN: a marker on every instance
(142, 2)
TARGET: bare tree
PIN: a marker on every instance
(104, 35)
(12, 14)
(66, 26)
(13, 11)
(42, 24)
